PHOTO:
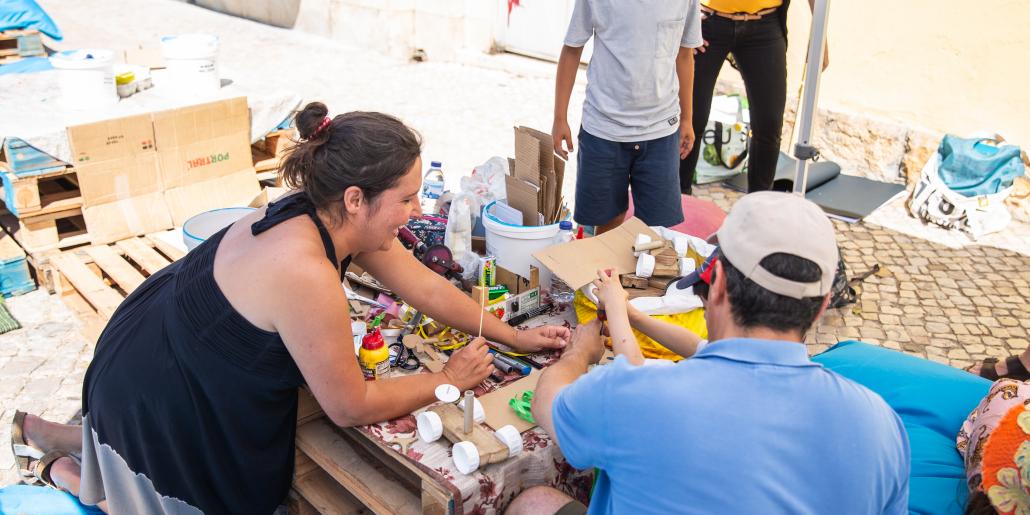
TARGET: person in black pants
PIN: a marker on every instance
(758, 42)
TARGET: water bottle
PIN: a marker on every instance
(562, 293)
(432, 187)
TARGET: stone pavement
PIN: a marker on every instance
(952, 304)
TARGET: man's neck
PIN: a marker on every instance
(761, 333)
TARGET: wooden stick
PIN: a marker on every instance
(482, 308)
(651, 245)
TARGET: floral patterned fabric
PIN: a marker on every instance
(995, 442)
(491, 488)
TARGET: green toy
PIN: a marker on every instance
(521, 403)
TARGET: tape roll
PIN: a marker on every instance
(511, 437)
(645, 265)
(466, 457)
(478, 413)
(641, 238)
(429, 426)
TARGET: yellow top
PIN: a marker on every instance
(740, 6)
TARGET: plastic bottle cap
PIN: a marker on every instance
(641, 238)
(429, 426)
(478, 413)
(435, 164)
(511, 437)
(565, 225)
(466, 457)
(645, 265)
(448, 393)
(373, 340)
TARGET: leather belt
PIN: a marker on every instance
(740, 16)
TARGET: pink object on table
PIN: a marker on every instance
(701, 218)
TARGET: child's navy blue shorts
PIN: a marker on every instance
(608, 169)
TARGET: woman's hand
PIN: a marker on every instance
(541, 338)
(469, 365)
(609, 291)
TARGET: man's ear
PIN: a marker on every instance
(353, 199)
(717, 290)
(822, 308)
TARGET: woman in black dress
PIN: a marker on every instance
(190, 403)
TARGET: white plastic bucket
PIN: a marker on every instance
(85, 78)
(204, 225)
(191, 61)
(514, 245)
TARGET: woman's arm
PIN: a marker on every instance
(435, 296)
(312, 316)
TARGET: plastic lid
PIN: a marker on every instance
(565, 225)
(448, 393)
(466, 457)
(511, 437)
(478, 413)
(373, 340)
(429, 426)
(435, 164)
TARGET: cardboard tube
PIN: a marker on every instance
(470, 410)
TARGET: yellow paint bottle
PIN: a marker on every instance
(374, 356)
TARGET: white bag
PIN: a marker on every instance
(933, 202)
(725, 140)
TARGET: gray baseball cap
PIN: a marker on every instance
(768, 222)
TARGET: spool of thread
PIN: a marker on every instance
(645, 265)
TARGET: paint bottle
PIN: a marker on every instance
(374, 356)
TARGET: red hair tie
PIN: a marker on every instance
(321, 127)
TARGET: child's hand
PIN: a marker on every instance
(609, 289)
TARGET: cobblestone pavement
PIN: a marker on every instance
(951, 304)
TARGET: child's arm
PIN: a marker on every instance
(678, 339)
(613, 299)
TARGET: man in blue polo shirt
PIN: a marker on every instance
(748, 424)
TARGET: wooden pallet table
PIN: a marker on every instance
(19, 44)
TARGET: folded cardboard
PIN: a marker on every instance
(124, 218)
(202, 142)
(237, 189)
(577, 262)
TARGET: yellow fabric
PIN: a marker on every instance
(740, 6)
(693, 320)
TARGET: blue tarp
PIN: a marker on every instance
(27, 14)
(27, 65)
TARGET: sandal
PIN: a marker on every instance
(22, 451)
(41, 467)
(1016, 370)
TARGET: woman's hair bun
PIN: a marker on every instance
(309, 119)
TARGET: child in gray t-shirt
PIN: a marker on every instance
(637, 113)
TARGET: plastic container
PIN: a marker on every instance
(85, 78)
(192, 63)
(201, 227)
(514, 245)
(561, 292)
(432, 187)
(374, 356)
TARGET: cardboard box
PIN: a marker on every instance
(125, 218)
(202, 142)
(233, 190)
(577, 262)
(267, 195)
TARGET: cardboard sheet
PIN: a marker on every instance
(495, 403)
(577, 262)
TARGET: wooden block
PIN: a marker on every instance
(647, 292)
(633, 281)
(491, 450)
(650, 245)
(659, 282)
(664, 270)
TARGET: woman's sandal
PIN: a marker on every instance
(1016, 370)
(41, 467)
(23, 453)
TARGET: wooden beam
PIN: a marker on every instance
(116, 267)
(167, 249)
(101, 296)
(326, 495)
(144, 255)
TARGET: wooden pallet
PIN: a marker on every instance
(21, 43)
(267, 154)
(94, 280)
(52, 191)
(58, 228)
